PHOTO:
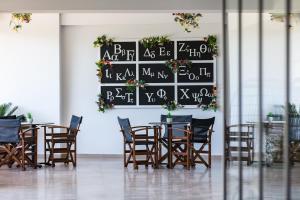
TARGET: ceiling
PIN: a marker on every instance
(66, 6)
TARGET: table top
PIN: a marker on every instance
(268, 122)
(36, 123)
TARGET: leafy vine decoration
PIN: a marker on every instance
(104, 104)
(100, 64)
(103, 40)
(133, 84)
(188, 21)
(212, 44)
(18, 19)
(213, 104)
(154, 41)
(174, 65)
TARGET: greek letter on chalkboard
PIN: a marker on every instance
(184, 94)
(206, 92)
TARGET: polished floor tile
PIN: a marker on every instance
(105, 178)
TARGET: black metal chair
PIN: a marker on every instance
(201, 134)
(134, 140)
(66, 137)
(180, 140)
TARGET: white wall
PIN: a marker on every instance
(30, 60)
(29, 67)
(274, 47)
(100, 132)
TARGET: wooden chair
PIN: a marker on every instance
(134, 139)
(65, 137)
(294, 139)
(3, 152)
(12, 143)
(181, 148)
(202, 130)
(247, 138)
(180, 140)
(29, 158)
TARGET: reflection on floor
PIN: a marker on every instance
(105, 178)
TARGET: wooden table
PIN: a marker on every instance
(157, 125)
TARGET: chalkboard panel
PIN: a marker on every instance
(197, 73)
(118, 73)
(158, 53)
(119, 95)
(119, 51)
(193, 50)
(154, 95)
(160, 81)
(155, 73)
(192, 95)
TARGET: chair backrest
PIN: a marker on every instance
(200, 127)
(177, 118)
(9, 117)
(9, 131)
(126, 128)
(294, 130)
(75, 124)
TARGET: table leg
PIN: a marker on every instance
(170, 160)
(156, 146)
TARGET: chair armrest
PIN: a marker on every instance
(133, 127)
(25, 132)
(29, 129)
(144, 136)
(55, 126)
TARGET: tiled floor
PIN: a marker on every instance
(105, 178)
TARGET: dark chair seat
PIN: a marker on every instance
(61, 140)
(143, 142)
(199, 140)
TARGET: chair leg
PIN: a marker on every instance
(67, 159)
(23, 155)
(45, 145)
(52, 154)
(124, 155)
(187, 156)
(75, 154)
(209, 155)
(249, 153)
(135, 166)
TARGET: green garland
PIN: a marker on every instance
(150, 42)
(213, 104)
(103, 40)
(104, 104)
(188, 20)
(173, 65)
(133, 84)
(212, 44)
(100, 64)
(17, 19)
